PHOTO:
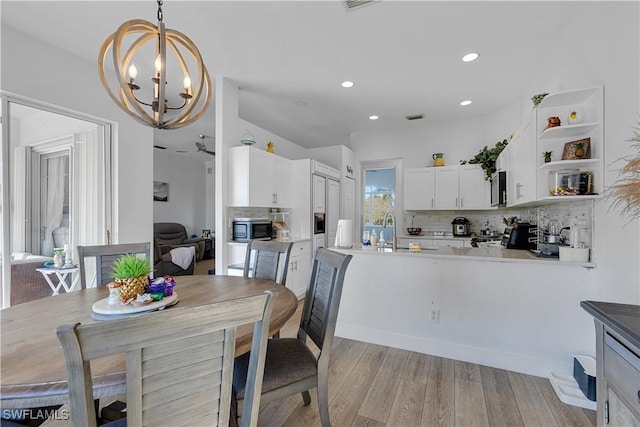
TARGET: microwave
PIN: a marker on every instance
(499, 189)
(245, 229)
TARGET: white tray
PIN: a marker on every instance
(101, 307)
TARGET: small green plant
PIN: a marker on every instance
(547, 153)
(537, 99)
(487, 157)
(129, 266)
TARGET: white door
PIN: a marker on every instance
(333, 210)
(319, 183)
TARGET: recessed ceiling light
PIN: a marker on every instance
(470, 57)
(467, 102)
(347, 84)
(373, 117)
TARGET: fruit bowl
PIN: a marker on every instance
(414, 231)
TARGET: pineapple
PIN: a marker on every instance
(579, 150)
(131, 273)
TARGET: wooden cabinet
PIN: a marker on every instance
(617, 362)
(589, 105)
(299, 264)
(446, 187)
(258, 178)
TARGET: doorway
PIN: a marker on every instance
(381, 181)
(57, 182)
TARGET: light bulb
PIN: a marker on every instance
(186, 82)
(158, 64)
(133, 71)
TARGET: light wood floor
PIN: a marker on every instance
(373, 385)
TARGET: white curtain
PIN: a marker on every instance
(54, 201)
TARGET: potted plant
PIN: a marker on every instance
(131, 276)
(537, 99)
(487, 158)
(547, 156)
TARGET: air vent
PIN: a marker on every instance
(159, 147)
(357, 4)
(181, 151)
(415, 117)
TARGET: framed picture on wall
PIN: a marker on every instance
(160, 191)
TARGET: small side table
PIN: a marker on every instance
(61, 274)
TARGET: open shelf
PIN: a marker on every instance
(568, 164)
(568, 97)
(566, 131)
(577, 198)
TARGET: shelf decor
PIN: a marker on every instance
(537, 99)
(576, 116)
(573, 149)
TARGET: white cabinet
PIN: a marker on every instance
(333, 210)
(258, 178)
(403, 242)
(446, 187)
(299, 264)
(589, 104)
(319, 183)
(419, 189)
(475, 191)
(518, 160)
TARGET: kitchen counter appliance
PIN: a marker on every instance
(520, 235)
(461, 227)
(245, 229)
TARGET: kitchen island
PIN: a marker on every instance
(498, 307)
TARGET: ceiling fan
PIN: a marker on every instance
(202, 147)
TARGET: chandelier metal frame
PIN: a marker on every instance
(196, 97)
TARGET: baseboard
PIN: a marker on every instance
(482, 356)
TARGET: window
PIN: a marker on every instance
(379, 195)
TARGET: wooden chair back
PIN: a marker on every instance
(267, 260)
(179, 362)
(322, 300)
(105, 256)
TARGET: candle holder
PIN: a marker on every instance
(68, 261)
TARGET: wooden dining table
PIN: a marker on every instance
(33, 371)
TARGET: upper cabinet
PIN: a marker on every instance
(581, 114)
(446, 187)
(258, 178)
(517, 159)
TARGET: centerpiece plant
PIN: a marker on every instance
(626, 190)
(131, 276)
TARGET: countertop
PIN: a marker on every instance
(624, 319)
(298, 240)
(494, 254)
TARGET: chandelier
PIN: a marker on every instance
(186, 106)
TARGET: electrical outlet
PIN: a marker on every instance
(434, 316)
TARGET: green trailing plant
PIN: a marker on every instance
(487, 157)
(537, 99)
(129, 266)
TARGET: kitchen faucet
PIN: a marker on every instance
(384, 225)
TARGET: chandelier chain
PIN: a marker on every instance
(160, 11)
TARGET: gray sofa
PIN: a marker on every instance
(27, 284)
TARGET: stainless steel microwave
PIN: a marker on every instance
(499, 189)
(245, 229)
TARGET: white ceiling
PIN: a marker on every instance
(404, 57)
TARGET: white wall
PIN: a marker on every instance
(187, 191)
(71, 82)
